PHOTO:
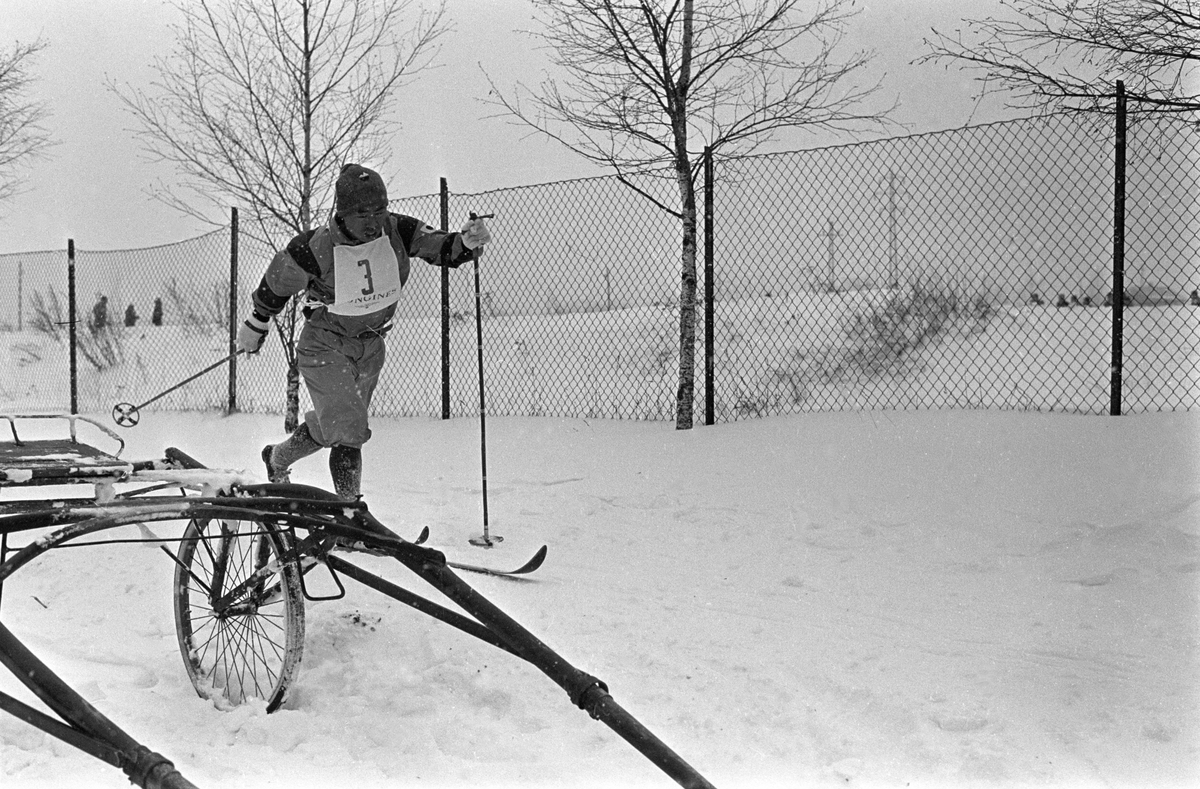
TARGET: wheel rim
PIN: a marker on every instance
(239, 611)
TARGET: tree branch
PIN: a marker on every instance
(1060, 56)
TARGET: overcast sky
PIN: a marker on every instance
(93, 187)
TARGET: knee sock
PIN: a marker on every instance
(345, 466)
(300, 444)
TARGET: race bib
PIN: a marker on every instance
(366, 278)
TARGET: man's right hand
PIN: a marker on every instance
(252, 333)
(475, 233)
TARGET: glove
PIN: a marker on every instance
(475, 233)
(252, 333)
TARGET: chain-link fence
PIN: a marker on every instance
(576, 292)
(964, 269)
(135, 312)
(972, 268)
(578, 298)
(1161, 332)
(34, 353)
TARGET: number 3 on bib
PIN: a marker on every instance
(366, 277)
(370, 288)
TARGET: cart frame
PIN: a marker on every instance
(295, 528)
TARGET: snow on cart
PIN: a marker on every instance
(242, 566)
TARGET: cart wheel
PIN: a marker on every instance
(239, 610)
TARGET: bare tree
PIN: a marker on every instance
(263, 101)
(1069, 54)
(22, 136)
(650, 84)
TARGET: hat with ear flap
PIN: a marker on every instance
(359, 189)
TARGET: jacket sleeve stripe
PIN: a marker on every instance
(266, 301)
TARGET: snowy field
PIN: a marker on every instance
(799, 353)
(878, 599)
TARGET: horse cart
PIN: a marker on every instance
(242, 567)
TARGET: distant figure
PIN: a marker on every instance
(100, 314)
(1035, 299)
(1194, 300)
(1075, 301)
(1062, 301)
(131, 316)
(156, 315)
(1087, 301)
(1108, 300)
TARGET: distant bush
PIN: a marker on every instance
(47, 315)
(658, 357)
(200, 310)
(103, 348)
(881, 340)
(901, 324)
(26, 353)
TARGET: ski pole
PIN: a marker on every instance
(485, 540)
(126, 414)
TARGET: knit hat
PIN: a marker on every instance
(359, 189)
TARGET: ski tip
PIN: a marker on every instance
(422, 537)
(534, 562)
(517, 574)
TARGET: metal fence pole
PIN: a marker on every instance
(709, 309)
(233, 307)
(444, 193)
(1118, 271)
(71, 324)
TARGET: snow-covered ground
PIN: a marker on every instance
(929, 599)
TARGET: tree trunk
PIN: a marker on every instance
(686, 392)
(291, 417)
(292, 420)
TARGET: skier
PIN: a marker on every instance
(131, 316)
(351, 271)
(156, 315)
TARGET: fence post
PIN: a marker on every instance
(444, 194)
(1118, 270)
(709, 290)
(71, 324)
(233, 307)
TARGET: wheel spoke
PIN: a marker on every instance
(251, 646)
